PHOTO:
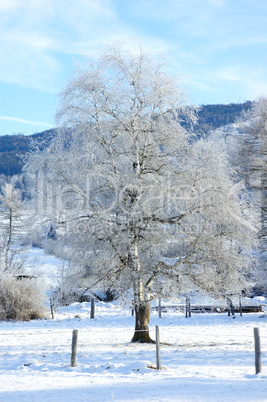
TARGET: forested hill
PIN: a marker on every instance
(13, 147)
(214, 116)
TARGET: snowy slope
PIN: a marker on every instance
(44, 266)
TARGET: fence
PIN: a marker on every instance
(257, 349)
(203, 338)
(188, 308)
(96, 348)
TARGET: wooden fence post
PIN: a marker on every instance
(158, 348)
(92, 315)
(187, 308)
(74, 347)
(230, 307)
(52, 307)
(257, 350)
(159, 307)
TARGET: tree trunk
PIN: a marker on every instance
(141, 301)
(142, 316)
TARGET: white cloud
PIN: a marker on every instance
(230, 73)
(38, 34)
(18, 120)
(236, 82)
(39, 37)
(9, 4)
(217, 3)
(183, 11)
(35, 34)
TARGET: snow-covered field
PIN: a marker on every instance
(209, 357)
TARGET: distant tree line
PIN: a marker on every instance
(14, 147)
(211, 117)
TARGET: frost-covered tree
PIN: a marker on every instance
(253, 127)
(19, 299)
(144, 205)
(11, 225)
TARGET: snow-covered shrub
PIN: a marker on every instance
(20, 300)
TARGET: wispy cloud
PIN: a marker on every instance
(30, 122)
(40, 38)
(177, 10)
(8, 4)
(35, 34)
(217, 3)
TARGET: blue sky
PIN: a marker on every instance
(218, 47)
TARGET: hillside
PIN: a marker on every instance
(214, 116)
(14, 147)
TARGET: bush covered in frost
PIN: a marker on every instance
(20, 300)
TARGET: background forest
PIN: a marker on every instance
(13, 147)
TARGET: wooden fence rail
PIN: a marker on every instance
(208, 308)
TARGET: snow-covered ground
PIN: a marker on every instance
(208, 357)
(44, 266)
